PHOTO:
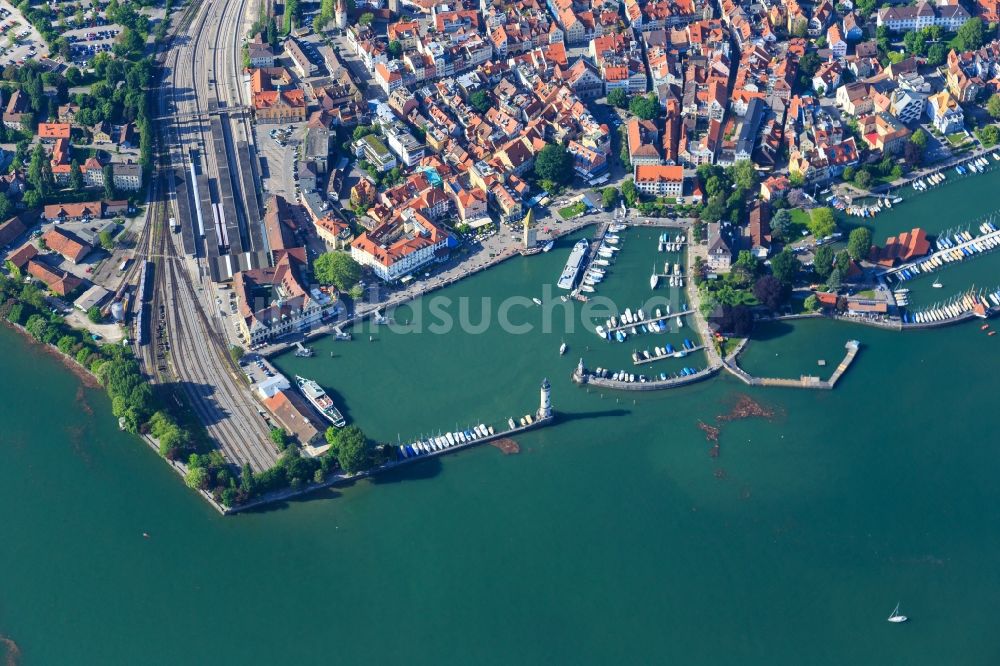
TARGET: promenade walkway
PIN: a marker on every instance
(805, 381)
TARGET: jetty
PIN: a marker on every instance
(969, 247)
(649, 320)
(583, 377)
(805, 381)
(680, 353)
(543, 416)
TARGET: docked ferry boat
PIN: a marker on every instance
(315, 394)
(572, 270)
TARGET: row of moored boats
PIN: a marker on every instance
(954, 247)
(975, 165)
(630, 378)
(977, 304)
(927, 182)
(668, 245)
(663, 352)
(446, 441)
(635, 323)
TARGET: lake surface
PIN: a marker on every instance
(614, 536)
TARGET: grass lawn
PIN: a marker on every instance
(572, 210)
(957, 139)
(727, 346)
(867, 293)
(800, 222)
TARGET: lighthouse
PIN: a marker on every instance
(341, 15)
(545, 402)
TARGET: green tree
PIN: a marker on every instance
(785, 266)
(863, 179)
(822, 222)
(644, 106)
(236, 353)
(609, 197)
(480, 101)
(989, 136)
(94, 314)
(618, 98)
(970, 35)
(106, 239)
(781, 224)
(366, 19)
(352, 449)
(109, 181)
(992, 106)
(280, 438)
(744, 175)
(920, 138)
(859, 242)
(33, 199)
(197, 478)
(811, 303)
(833, 283)
(338, 269)
(554, 163)
(823, 261)
(395, 49)
(936, 55)
(356, 292)
(75, 176)
(629, 193)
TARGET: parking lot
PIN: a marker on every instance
(20, 40)
(85, 43)
(277, 147)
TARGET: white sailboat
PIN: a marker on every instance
(937, 284)
(896, 617)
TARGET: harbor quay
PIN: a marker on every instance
(543, 416)
(584, 377)
(467, 268)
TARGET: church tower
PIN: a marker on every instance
(530, 233)
(341, 15)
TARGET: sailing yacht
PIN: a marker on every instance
(937, 284)
(896, 617)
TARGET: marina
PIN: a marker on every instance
(952, 247)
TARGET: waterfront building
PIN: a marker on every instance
(945, 113)
(720, 253)
(902, 248)
(401, 245)
(58, 281)
(659, 180)
(275, 301)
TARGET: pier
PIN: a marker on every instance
(589, 379)
(948, 256)
(805, 381)
(649, 320)
(543, 416)
(681, 353)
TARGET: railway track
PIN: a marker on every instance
(187, 348)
